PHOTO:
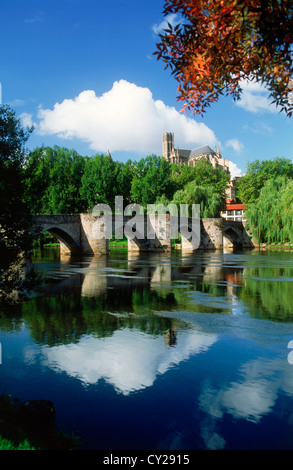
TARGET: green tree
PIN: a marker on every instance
(52, 178)
(14, 214)
(124, 175)
(151, 180)
(271, 217)
(203, 174)
(211, 203)
(99, 183)
(16, 233)
(258, 172)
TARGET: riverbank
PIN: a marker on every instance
(272, 246)
(31, 426)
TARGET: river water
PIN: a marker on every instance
(158, 351)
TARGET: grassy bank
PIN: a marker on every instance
(279, 245)
(18, 430)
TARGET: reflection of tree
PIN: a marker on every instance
(171, 336)
(266, 295)
(63, 319)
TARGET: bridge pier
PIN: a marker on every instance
(77, 233)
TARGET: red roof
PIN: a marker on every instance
(231, 207)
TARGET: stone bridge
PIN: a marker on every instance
(89, 234)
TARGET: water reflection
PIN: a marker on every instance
(251, 398)
(262, 283)
(129, 360)
(220, 322)
(153, 293)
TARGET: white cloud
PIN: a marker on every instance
(234, 169)
(125, 118)
(254, 98)
(172, 19)
(235, 144)
(26, 119)
(37, 18)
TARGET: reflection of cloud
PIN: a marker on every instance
(129, 360)
(250, 399)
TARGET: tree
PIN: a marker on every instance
(151, 180)
(220, 43)
(124, 175)
(16, 234)
(271, 216)
(210, 202)
(99, 181)
(258, 172)
(203, 174)
(14, 214)
(52, 179)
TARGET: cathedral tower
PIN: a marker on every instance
(168, 144)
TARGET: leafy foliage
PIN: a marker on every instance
(271, 217)
(258, 172)
(219, 43)
(202, 174)
(52, 178)
(103, 179)
(58, 180)
(151, 180)
(14, 213)
(211, 203)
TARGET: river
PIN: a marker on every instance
(158, 351)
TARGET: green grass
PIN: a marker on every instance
(15, 434)
(123, 242)
(6, 444)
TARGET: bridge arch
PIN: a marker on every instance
(231, 238)
(67, 243)
(142, 233)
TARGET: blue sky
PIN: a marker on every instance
(84, 73)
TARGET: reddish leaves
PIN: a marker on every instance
(224, 41)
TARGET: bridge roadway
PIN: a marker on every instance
(89, 234)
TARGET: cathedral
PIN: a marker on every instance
(191, 157)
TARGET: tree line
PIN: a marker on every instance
(58, 180)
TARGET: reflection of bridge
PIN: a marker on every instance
(81, 233)
(156, 272)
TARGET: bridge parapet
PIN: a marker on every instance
(89, 234)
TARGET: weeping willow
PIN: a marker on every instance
(210, 202)
(271, 217)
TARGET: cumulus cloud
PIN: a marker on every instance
(235, 170)
(127, 117)
(254, 98)
(235, 144)
(27, 119)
